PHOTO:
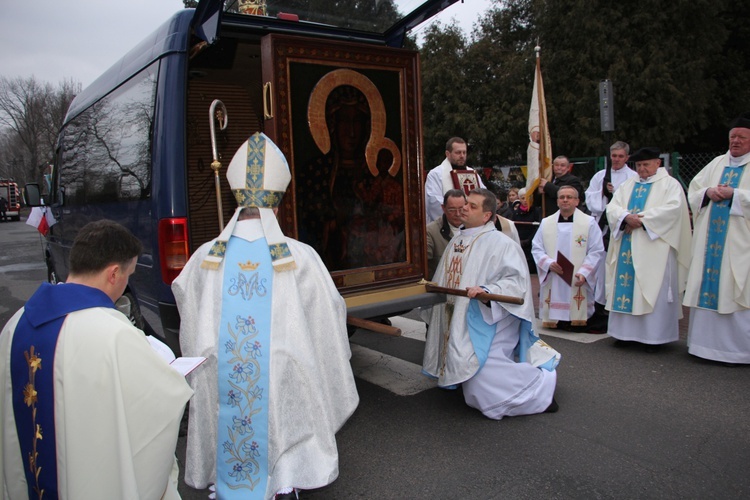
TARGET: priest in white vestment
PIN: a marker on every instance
(649, 254)
(264, 311)
(439, 180)
(718, 290)
(598, 196)
(475, 344)
(578, 239)
(89, 409)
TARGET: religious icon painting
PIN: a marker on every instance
(347, 121)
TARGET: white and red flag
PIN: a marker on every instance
(42, 219)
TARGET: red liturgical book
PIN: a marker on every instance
(465, 180)
(567, 268)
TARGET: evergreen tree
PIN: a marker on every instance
(500, 73)
(446, 110)
(679, 70)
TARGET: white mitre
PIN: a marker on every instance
(258, 175)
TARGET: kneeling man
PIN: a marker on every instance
(474, 343)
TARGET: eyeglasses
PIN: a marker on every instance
(454, 211)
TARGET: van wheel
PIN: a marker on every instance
(135, 316)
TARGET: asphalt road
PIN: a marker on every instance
(631, 424)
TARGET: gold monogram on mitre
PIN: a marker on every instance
(249, 266)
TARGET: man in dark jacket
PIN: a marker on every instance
(440, 231)
(562, 177)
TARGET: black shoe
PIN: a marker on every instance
(600, 309)
(553, 406)
(652, 348)
(565, 326)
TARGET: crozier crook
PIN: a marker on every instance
(220, 116)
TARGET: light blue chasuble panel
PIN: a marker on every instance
(717, 236)
(243, 364)
(625, 272)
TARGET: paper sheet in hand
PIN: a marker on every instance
(184, 365)
(567, 268)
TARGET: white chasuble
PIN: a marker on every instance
(311, 391)
(666, 227)
(722, 334)
(117, 411)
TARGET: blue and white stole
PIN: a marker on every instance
(625, 271)
(243, 366)
(717, 236)
(32, 367)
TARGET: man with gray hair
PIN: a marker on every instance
(598, 195)
(718, 289)
(440, 231)
(649, 255)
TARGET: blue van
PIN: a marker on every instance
(330, 85)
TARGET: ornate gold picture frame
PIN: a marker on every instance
(347, 118)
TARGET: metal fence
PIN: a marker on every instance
(682, 167)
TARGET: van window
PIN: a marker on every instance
(107, 152)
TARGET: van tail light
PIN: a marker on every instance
(173, 247)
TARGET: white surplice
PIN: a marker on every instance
(596, 202)
(439, 182)
(312, 391)
(118, 407)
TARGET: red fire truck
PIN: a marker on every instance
(9, 191)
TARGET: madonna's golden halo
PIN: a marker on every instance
(316, 117)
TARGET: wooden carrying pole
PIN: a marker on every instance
(484, 296)
(373, 326)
